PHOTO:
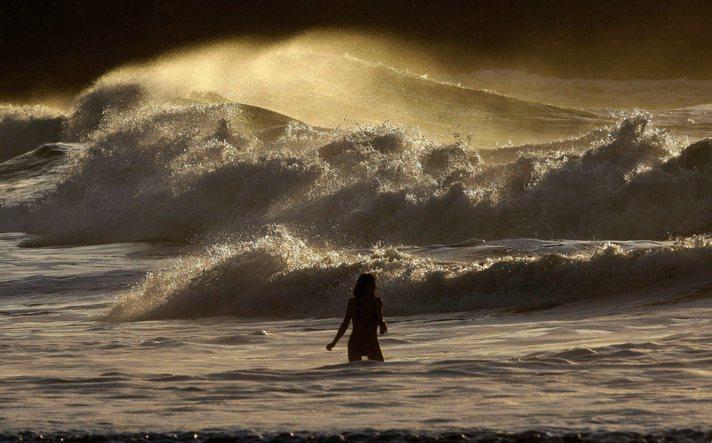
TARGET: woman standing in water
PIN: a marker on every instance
(366, 311)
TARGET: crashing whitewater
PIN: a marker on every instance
(281, 214)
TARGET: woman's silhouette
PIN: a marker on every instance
(366, 311)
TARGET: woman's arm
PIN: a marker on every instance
(381, 322)
(342, 329)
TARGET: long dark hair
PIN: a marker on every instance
(364, 284)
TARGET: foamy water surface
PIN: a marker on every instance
(626, 364)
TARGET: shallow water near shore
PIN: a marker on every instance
(629, 363)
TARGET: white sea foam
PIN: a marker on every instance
(279, 275)
(178, 169)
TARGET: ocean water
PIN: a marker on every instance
(173, 262)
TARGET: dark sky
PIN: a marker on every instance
(50, 46)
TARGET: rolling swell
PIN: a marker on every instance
(279, 275)
(330, 88)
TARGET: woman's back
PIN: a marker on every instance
(366, 313)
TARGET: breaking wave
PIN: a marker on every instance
(166, 167)
(279, 275)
